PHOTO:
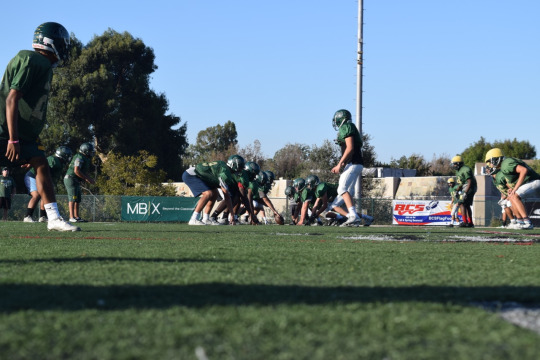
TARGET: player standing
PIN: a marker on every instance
(24, 93)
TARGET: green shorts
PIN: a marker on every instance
(28, 150)
(73, 187)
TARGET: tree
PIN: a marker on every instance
(475, 152)
(415, 161)
(287, 160)
(441, 166)
(213, 143)
(103, 94)
(253, 153)
(133, 175)
(320, 160)
(511, 148)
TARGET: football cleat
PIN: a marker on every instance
(352, 221)
(28, 219)
(368, 220)
(195, 222)
(60, 224)
(43, 219)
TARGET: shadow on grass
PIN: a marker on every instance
(110, 259)
(79, 297)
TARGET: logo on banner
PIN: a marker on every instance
(410, 209)
(143, 208)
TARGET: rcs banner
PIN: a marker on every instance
(421, 212)
(157, 208)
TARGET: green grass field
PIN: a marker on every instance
(172, 291)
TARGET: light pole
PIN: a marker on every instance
(359, 66)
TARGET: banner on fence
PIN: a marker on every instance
(157, 208)
(421, 212)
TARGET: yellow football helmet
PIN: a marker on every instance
(457, 162)
(494, 157)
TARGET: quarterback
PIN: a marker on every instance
(24, 92)
(351, 163)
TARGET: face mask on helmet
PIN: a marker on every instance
(54, 38)
(312, 181)
(236, 163)
(299, 184)
(341, 117)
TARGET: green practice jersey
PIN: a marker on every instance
(464, 174)
(30, 73)
(453, 193)
(215, 174)
(500, 182)
(346, 130)
(6, 186)
(80, 161)
(242, 178)
(326, 188)
(508, 168)
(255, 188)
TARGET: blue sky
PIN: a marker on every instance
(437, 75)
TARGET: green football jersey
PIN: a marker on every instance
(254, 186)
(453, 193)
(326, 188)
(308, 195)
(80, 161)
(464, 174)
(215, 174)
(508, 168)
(31, 73)
(500, 182)
(346, 130)
(242, 178)
(6, 186)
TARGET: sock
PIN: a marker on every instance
(195, 215)
(43, 213)
(352, 211)
(205, 217)
(29, 212)
(52, 211)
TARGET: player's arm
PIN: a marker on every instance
(12, 120)
(347, 154)
(77, 170)
(303, 214)
(268, 203)
(318, 209)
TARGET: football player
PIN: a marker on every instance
(263, 199)
(239, 192)
(454, 193)
(24, 93)
(306, 199)
(501, 183)
(61, 157)
(467, 185)
(326, 199)
(526, 182)
(203, 180)
(7, 190)
(78, 170)
(293, 199)
(350, 164)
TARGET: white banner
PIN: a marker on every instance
(421, 212)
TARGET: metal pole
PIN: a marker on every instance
(359, 66)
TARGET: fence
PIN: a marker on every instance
(108, 208)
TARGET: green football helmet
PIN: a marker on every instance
(289, 192)
(312, 181)
(299, 184)
(271, 176)
(253, 169)
(52, 37)
(261, 178)
(236, 163)
(87, 149)
(63, 153)
(341, 117)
